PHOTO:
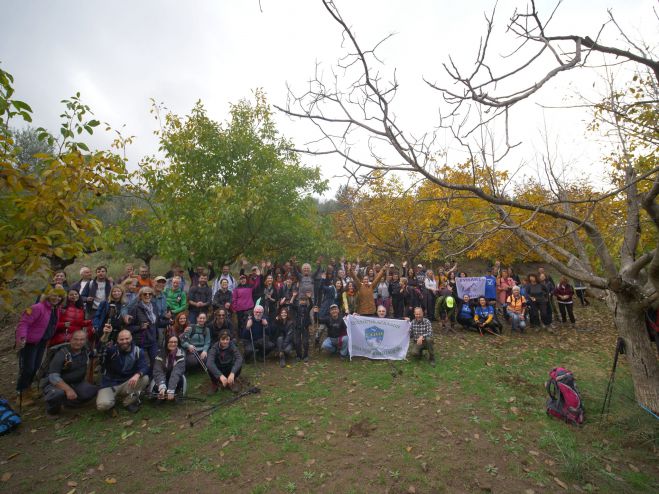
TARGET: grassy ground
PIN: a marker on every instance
(475, 423)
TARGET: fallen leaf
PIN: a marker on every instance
(72, 483)
(477, 436)
(608, 468)
(408, 449)
(633, 468)
(411, 490)
(6, 476)
(533, 453)
(100, 468)
(424, 466)
(514, 410)
(161, 468)
(529, 491)
(310, 462)
(72, 491)
(562, 484)
(12, 456)
(110, 480)
(225, 443)
(511, 399)
(128, 423)
(299, 433)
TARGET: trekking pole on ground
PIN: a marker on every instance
(202, 414)
(177, 397)
(620, 348)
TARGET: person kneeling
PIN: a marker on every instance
(125, 368)
(224, 364)
(65, 384)
(337, 333)
(169, 370)
(421, 335)
(485, 319)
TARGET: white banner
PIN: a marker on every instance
(377, 338)
(473, 286)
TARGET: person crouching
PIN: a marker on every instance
(125, 368)
(169, 369)
(224, 364)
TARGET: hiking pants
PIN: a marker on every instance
(56, 397)
(107, 397)
(566, 308)
(29, 361)
(427, 344)
(301, 336)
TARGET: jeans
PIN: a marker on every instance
(517, 321)
(331, 345)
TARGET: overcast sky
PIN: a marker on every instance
(119, 54)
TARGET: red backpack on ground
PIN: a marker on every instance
(564, 399)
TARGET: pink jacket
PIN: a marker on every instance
(242, 298)
(34, 322)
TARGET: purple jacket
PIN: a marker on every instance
(34, 322)
(242, 298)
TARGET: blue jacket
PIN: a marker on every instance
(490, 287)
(120, 366)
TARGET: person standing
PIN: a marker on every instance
(200, 297)
(35, 328)
(96, 291)
(564, 294)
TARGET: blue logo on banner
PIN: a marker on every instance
(374, 336)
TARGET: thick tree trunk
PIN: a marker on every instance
(641, 354)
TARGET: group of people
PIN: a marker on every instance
(143, 333)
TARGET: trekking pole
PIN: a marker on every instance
(620, 346)
(492, 332)
(251, 337)
(177, 397)
(202, 414)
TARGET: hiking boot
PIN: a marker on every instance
(212, 389)
(236, 387)
(133, 407)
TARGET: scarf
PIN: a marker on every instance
(148, 309)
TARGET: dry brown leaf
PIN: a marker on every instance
(161, 468)
(562, 484)
(408, 448)
(533, 453)
(608, 468)
(633, 468)
(110, 480)
(72, 483)
(310, 462)
(477, 436)
(12, 456)
(411, 490)
(514, 410)
(72, 491)
(299, 433)
(6, 476)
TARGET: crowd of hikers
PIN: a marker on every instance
(141, 334)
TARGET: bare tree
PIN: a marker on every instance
(356, 106)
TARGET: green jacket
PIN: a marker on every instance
(177, 300)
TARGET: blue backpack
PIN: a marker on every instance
(9, 419)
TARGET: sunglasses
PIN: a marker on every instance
(147, 294)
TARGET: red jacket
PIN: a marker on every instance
(76, 319)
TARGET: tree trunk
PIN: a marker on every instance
(640, 353)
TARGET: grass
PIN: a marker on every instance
(476, 419)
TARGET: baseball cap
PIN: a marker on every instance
(333, 306)
(159, 278)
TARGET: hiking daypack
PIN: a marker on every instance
(564, 399)
(9, 419)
